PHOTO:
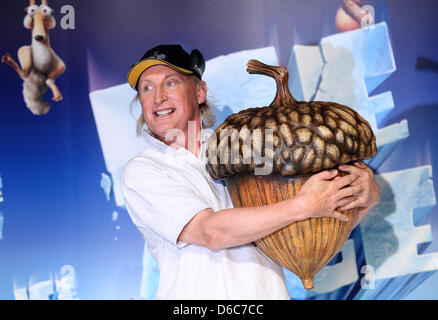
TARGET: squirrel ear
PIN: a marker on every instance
(51, 22)
(197, 61)
(27, 22)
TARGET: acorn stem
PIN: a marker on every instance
(281, 77)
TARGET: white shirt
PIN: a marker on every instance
(164, 188)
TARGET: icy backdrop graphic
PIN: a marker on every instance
(383, 258)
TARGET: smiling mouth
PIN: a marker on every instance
(164, 113)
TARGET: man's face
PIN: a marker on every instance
(169, 99)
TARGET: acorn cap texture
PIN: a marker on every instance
(297, 137)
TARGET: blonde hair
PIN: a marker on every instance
(205, 110)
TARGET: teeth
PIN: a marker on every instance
(164, 112)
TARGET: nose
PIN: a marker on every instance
(160, 95)
(39, 38)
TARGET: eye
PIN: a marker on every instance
(147, 88)
(31, 10)
(45, 10)
(171, 82)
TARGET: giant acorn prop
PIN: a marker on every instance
(295, 139)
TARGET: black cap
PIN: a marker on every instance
(172, 55)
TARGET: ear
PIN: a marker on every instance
(27, 22)
(51, 23)
(201, 91)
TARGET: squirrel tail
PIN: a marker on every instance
(33, 89)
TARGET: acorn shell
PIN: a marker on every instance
(303, 137)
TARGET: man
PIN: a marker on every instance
(202, 244)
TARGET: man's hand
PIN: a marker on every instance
(325, 192)
(322, 194)
(369, 195)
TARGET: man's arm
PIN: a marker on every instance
(319, 196)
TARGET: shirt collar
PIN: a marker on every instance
(155, 143)
(160, 146)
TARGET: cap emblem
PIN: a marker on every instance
(161, 56)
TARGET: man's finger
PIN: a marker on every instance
(350, 191)
(345, 201)
(351, 205)
(345, 180)
(360, 164)
(340, 216)
(363, 166)
(350, 169)
(326, 174)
